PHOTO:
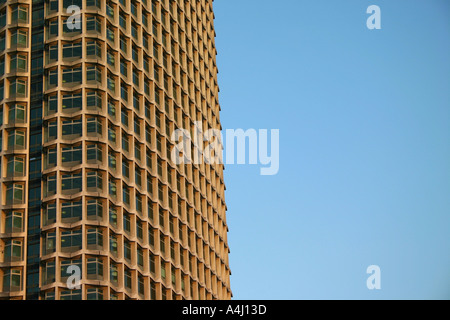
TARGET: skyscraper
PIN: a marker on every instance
(90, 92)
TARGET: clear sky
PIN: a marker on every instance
(364, 119)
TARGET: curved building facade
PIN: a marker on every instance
(91, 92)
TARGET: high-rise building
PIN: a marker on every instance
(90, 92)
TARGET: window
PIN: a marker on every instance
(157, 96)
(19, 38)
(150, 210)
(71, 240)
(110, 10)
(161, 192)
(94, 209)
(52, 104)
(94, 181)
(94, 126)
(144, 19)
(12, 280)
(93, 3)
(134, 31)
(171, 227)
(112, 161)
(113, 216)
(125, 143)
(50, 214)
(113, 273)
(148, 134)
(14, 194)
(155, 29)
(163, 270)
(124, 117)
(71, 76)
(13, 222)
(53, 53)
(113, 244)
(68, 3)
(161, 219)
(16, 113)
(137, 176)
(112, 188)
(52, 78)
(15, 167)
(3, 17)
(152, 264)
(127, 278)
(145, 41)
(71, 128)
(137, 151)
(71, 182)
(180, 233)
(2, 66)
(49, 295)
(146, 65)
(111, 83)
(18, 88)
(71, 155)
(49, 242)
(123, 68)
(172, 250)
(125, 168)
(94, 153)
(133, 8)
(94, 293)
(110, 58)
(141, 287)
(94, 24)
(93, 50)
(18, 63)
(149, 184)
(94, 73)
(48, 272)
(110, 33)
(52, 128)
(126, 222)
(126, 195)
(136, 103)
(94, 239)
(71, 211)
(127, 250)
(70, 295)
(139, 230)
(94, 99)
(159, 142)
(135, 54)
(123, 44)
(2, 42)
(111, 109)
(122, 20)
(72, 50)
(160, 167)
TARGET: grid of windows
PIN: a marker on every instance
(112, 197)
(14, 150)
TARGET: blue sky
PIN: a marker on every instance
(364, 119)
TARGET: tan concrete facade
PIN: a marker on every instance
(112, 202)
